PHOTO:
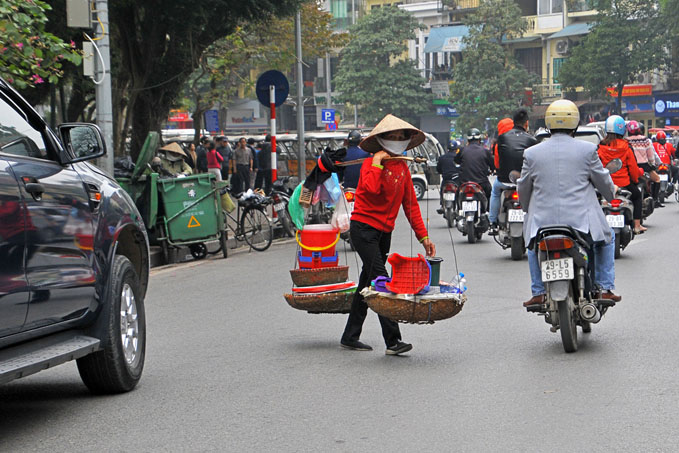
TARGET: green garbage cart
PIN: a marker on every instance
(177, 212)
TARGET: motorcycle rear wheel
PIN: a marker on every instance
(286, 223)
(450, 217)
(569, 333)
(517, 249)
(471, 234)
(617, 246)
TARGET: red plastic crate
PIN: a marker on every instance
(409, 275)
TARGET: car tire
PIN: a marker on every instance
(420, 189)
(117, 367)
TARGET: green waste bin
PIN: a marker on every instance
(191, 209)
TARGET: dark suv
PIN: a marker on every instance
(74, 255)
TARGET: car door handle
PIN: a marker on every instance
(35, 188)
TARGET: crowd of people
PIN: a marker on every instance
(246, 164)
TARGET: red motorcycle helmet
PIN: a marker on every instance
(661, 137)
(633, 128)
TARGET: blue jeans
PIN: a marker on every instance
(498, 187)
(604, 271)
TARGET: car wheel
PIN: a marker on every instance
(117, 367)
(420, 189)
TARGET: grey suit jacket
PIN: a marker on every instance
(557, 187)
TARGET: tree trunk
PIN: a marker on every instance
(618, 102)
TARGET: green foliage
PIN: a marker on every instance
(30, 55)
(627, 39)
(489, 82)
(374, 72)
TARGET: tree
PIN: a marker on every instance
(628, 38)
(489, 82)
(230, 62)
(669, 12)
(373, 71)
(30, 55)
(158, 43)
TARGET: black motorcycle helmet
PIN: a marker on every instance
(354, 137)
(473, 134)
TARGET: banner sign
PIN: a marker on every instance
(667, 105)
(632, 90)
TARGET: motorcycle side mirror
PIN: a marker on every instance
(614, 165)
(515, 175)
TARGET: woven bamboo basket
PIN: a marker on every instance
(339, 302)
(321, 276)
(415, 310)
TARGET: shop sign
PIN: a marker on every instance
(632, 90)
(440, 89)
(447, 110)
(667, 105)
(643, 104)
(178, 116)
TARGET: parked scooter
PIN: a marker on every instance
(510, 222)
(565, 259)
(448, 194)
(472, 220)
(280, 195)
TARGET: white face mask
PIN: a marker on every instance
(393, 146)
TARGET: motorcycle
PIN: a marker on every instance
(448, 194)
(472, 220)
(647, 202)
(619, 217)
(565, 259)
(510, 223)
(280, 195)
(666, 188)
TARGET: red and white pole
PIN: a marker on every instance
(272, 104)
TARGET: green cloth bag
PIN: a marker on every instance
(295, 209)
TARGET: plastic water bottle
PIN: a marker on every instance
(458, 284)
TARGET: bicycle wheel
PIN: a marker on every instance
(256, 228)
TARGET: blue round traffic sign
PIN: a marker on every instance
(278, 80)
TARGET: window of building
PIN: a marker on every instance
(550, 6)
(556, 67)
(531, 59)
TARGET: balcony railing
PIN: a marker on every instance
(459, 4)
(578, 6)
(546, 90)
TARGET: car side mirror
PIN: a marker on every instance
(84, 141)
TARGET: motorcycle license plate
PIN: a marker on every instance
(469, 206)
(516, 215)
(664, 177)
(449, 196)
(279, 207)
(616, 221)
(559, 269)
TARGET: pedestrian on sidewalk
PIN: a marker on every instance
(214, 161)
(244, 164)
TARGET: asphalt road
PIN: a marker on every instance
(231, 367)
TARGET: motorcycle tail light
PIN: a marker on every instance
(515, 195)
(449, 188)
(662, 168)
(615, 203)
(560, 243)
(469, 191)
(349, 196)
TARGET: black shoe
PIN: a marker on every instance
(398, 348)
(355, 345)
(440, 210)
(492, 231)
(659, 204)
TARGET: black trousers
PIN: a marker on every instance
(263, 180)
(636, 200)
(244, 174)
(373, 247)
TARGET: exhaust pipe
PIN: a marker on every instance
(590, 313)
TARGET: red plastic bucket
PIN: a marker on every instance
(317, 242)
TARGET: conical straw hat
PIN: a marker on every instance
(391, 123)
(174, 147)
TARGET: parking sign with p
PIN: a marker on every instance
(328, 115)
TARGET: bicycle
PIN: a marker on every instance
(253, 225)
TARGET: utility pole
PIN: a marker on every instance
(301, 162)
(328, 102)
(103, 89)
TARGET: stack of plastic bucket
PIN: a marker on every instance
(317, 244)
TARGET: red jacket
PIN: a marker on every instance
(214, 159)
(620, 149)
(380, 194)
(666, 152)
